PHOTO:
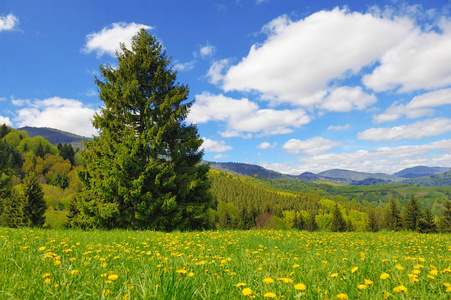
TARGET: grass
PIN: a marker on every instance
(69, 264)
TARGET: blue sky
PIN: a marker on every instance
(293, 86)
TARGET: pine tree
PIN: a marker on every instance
(427, 223)
(13, 215)
(143, 170)
(312, 225)
(412, 214)
(444, 222)
(299, 222)
(34, 204)
(393, 218)
(338, 223)
(372, 225)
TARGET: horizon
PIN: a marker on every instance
(291, 87)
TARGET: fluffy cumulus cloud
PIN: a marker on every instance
(107, 40)
(339, 127)
(266, 146)
(311, 146)
(5, 120)
(300, 59)
(215, 146)
(8, 22)
(207, 51)
(242, 116)
(413, 131)
(422, 105)
(60, 113)
(381, 160)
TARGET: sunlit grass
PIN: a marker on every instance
(59, 264)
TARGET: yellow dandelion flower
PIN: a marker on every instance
(295, 266)
(46, 275)
(300, 287)
(354, 269)
(190, 274)
(368, 282)
(399, 267)
(246, 292)
(400, 289)
(333, 275)
(362, 286)
(113, 277)
(385, 276)
(241, 284)
(433, 272)
(74, 272)
(41, 248)
(108, 281)
(181, 271)
(47, 280)
(73, 259)
(416, 272)
(430, 277)
(342, 296)
(286, 280)
(447, 284)
(57, 263)
(268, 280)
(269, 295)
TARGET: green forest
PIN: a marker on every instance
(145, 171)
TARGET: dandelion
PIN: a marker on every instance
(190, 274)
(241, 284)
(300, 287)
(46, 275)
(362, 286)
(286, 280)
(56, 263)
(342, 296)
(181, 271)
(368, 282)
(268, 280)
(400, 289)
(333, 275)
(74, 272)
(416, 272)
(399, 267)
(113, 277)
(269, 295)
(433, 272)
(354, 269)
(246, 292)
(385, 276)
(295, 266)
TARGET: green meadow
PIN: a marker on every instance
(254, 264)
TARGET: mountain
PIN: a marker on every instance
(355, 176)
(55, 136)
(443, 179)
(420, 171)
(248, 169)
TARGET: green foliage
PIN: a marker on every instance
(427, 222)
(412, 214)
(444, 222)
(66, 151)
(338, 223)
(13, 214)
(34, 206)
(393, 219)
(143, 170)
(372, 223)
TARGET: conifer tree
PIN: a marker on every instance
(444, 223)
(393, 218)
(427, 223)
(372, 225)
(312, 225)
(34, 205)
(413, 214)
(13, 215)
(338, 223)
(143, 170)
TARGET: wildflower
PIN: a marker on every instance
(268, 280)
(416, 272)
(354, 269)
(384, 276)
(269, 295)
(300, 287)
(190, 274)
(286, 280)
(295, 266)
(74, 272)
(362, 286)
(400, 289)
(342, 296)
(241, 284)
(433, 272)
(246, 292)
(57, 263)
(181, 271)
(46, 275)
(104, 265)
(113, 277)
(399, 267)
(333, 275)
(368, 282)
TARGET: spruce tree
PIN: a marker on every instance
(34, 205)
(412, 214)
(13, 215)
(427, 223)
(312, 225)
(444, 222)
(338, 223)
(372, 225)
(143, 170)
(393, 218)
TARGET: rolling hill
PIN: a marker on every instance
(55, 136)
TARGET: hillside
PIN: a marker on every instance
(55, 136)
(420, 171)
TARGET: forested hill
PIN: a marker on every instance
(55, 136)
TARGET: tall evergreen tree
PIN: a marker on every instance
(338, 223)
(393, 218)
(143, 170)
(312, 225)
(34, 204)
(13, 215)
(427, 223)
(444, 222)
(412, 214)
(372, 225)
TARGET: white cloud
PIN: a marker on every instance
(382, 160)
(2, 98)
(216, 70)
(183, 67)
(5, 120)
(338, 127)
(243, 116)
(345, 99)
(266, 146)
(8, 23)
(220, 156)
(60, 113)
(421, 60)
(419, 106)
(207, 51)
(316, 145)
(215, 146)
(300, 59)
(108, 39)
(414, 131)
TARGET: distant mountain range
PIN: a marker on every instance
(420, 175)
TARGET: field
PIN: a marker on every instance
(69, 264)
